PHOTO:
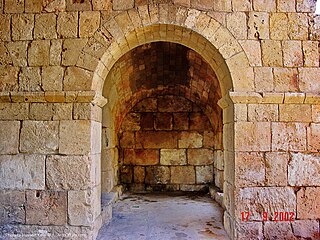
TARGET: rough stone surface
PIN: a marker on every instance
(308, 203)
(200, 156)
(183, 174)
(276, 168)
(157, 175)
(10, 143)
(173, 157)
(278, 230)
(306, 229)
(190, 140)
(12, 207)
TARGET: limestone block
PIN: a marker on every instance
(120, 5)
(18, 52)
(242, 5)
(252, 49)
(74, 137)
(279, 26)
(33, 6)
(14, 6)
(295, 112)
(68, 172)
(141, 157)
(219, 178)
(67, 25)
(83, 206)
(252, 136)
(289, 136)
(292, 54)
(218, 158)
(237, 24)
(204, 174)
(263, 112)
(14, 111)
(5, 29)
(55, 6)
(71, 51)
(316, 113)
(222, 5)
(200, 156)
(271, 53)
(260, 199)
(131, 122)
(9, 78)
(89, 22)
(249, 169)
(286, 6)
(310, 53)
(163, 121)
(5, 58)
(39, 53)
(77, 79)
(139, 174)
(278, 230)
(185, 3)
(183, 175)
(208, 139)
(22, 172)
(45, 26)
(46, 207)
(199, 121)
(286, 79)
(298, 26)
(306, 6)
(147, 121)
(249, 230)
(30, 79)
(294, 97)
(158, 139)
(52, 78)
(62, 111)
(9, 142)
(99, 5)
(174, 104)
(55, 51)
(146, 105)
(157, 175)
(202, 4)
(12, 207)
(96, 136)
(305, 229)
(264, 5)
(180, 121)
(127, 140)
(81, 111)
(307, 81)
(276, 168)
(303, 170)
(263, 78)
(190, 140)
(308, 203)
(173, 157)
(22, 26)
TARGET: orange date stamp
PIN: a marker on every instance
(275, 217)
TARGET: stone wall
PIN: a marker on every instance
(166, 143)
(56, 56)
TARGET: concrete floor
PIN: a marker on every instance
(164, 217)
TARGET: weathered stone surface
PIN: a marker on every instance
(307, 81)
(122, 4)
(222, 5)
(249, 169)
(257, 200)
(292, 53)
(5, 30)
(271, 53)
(131, 122)
(237, 24)
(9, 78)
(77, 79)
(146, 105)
(242, 5)
(264, 5)
(74, 137)
(67, 25)
(157, 175)
(200, 156)
(68, 172)
(279, 26)
(71, 51)
(286, 6)
(46, 207)
(249, 230)
(253, 51)
(204, 174)
(52, 78)
(14, 6)
(9, 141)
(83, 206)
(88, 23)
(174, 104)
(298, 26)
(314, 137)
(39, 53)
(276, 168)
(316, 113)
(180, 121)
(22, 171)
(190, 140)
(262, 112)
(306, 6)
(286, 79)
(141, 156)
(139, 174)
(263, 79)
(12, 207)
(33, 6)
(303, 170)
(252, 136)
(295, 112)
(306, 229)
(55, 51)
(278, 230)
(22, 26)
(127, 140)
(199, 121)
(18, 53)
(163, 121)
(45, 26)
(310, 53)
(14, 111)
(258, 25)
(289, 136)
(183, 175)
(147, 121)
(173, 157)
(159, 139)
(30, 79)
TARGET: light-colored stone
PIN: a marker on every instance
(303, 170)
(52, 78)
(292, 53)
(263, 78)
(22, 26)
(252, 136)
(183, 175)
(74, 137)
(298, 26)
(279, 26)
(258, 25)
(249, 230)
(286, 79)
(22, 172)
(308, 203)
(9, 78)
(14, 6)
(316, 113)
(45, 26)
(307, 81)
(173, 157)
(242, 5)
(310, 53)
(9, 142)
(18, 52)
(77, 79)
(88, 23)
(313, 137)
(46, 207)
(30, 79)
(33, 6)
(306, 229)
(157, 175)
(55, 51)
(122, 4)
(262, 112)
(271, 53)
(295, 112)
(264, 5)
(14, 111)
(39, 53)
(71, 51)
(222, 5)
(200, 156)
(276, 168)
(286, 6)
(68, 172)
(5, 29)
(12, 207)
(237, 24)
(67, 25)
(278, 230)
(39, 137)
(190, 140)
(204, 174)
(253, 51)
(306, 6)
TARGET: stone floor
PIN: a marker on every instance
(164, 217)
